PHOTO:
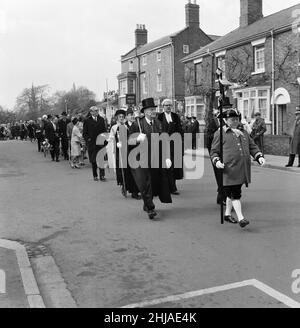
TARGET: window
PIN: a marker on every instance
(251, 101)
(198, 73)
(159, 82)
(259, 59)
(131, 88)
(123, 87)
(186, 49)
(131, 65)
(159, 56)
(222, 65)
(195, 106)
(144, 60)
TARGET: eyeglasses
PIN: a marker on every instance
(168, 105)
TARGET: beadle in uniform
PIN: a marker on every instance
(238, 146)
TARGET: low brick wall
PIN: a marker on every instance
(277, 145)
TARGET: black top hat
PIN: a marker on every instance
(226, 103)
(120, 112)
(64, 114)
(129, 111)
(49, 116)
(148, 103)
(231, 113)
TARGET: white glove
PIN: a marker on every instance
(262, 161)
(220, 165)
(141, 137)
(168, 163)
(119, 145)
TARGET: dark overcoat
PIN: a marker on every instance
(159, 177)
(237, 152)
(91, 130)
(171, 128)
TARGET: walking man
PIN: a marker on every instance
(92, 128)
(171, 124)
(258, 130)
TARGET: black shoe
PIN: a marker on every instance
(230, 219)
(177, 193)
(96, 179)
(136, 196)
(102, 179)
(289, 165)
(152, 214)
(244, 223)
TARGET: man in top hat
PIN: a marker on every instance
(238, 146)
(151, 181)
(171, 124)
(94, 126)
(258, 130)
(295, 140)
(62, 123)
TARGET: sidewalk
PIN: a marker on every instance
(273, 162)
(18, 288)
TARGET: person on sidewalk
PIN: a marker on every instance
(258, 130)
(92, 128)
(171, 124)
(63, 123)
(151, 181)
(236, 165)
(295, 140)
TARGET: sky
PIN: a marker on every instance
(61, 42)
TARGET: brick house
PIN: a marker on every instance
(154, 69)
(261, 57)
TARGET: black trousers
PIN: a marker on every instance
(95, 171)
(65, 146)
(233, 192)
(54, 148)
(142, 178)
(171, 180)
(39, 143)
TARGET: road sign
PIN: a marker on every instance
(2, 282)
(130, 99)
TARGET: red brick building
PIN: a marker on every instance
(154, 69)
(262, 58)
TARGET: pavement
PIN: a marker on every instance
(87, 246)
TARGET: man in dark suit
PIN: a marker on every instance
(52, 134)
(171, 124)
(151, 181)
(94, 126)
(63, 122)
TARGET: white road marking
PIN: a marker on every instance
(253, 282)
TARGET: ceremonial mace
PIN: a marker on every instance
(124, 189)
(221, 101)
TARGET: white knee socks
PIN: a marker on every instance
(228, 206)
(238, 209)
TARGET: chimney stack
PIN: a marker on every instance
(251, 11)
(141, 35)
(192, 14)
